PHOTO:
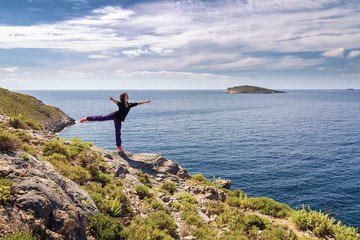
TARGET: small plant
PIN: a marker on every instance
(5, 191)
(176, 205)
(269, 206)
(25, 156)
(199, 178)
(106, 228)
(19, 234)
(192, 218)
(8, 142)
(143, 191)
(55, 146)
(170, 187)
(144, 178)
(85, 202)
(162, 221)
(115, 209)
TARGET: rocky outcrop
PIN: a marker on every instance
(58, 123)
(46, 202)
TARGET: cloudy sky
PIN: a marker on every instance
(187, 44)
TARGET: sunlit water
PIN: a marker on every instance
(298, 148)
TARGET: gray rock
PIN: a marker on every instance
(52, 203)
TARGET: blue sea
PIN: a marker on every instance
(301, 147)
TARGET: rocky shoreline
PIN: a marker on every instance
(51, 205)
(66, 189)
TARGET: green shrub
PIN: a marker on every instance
(192, 218)
(199, 178)
(17, 123)
(5, 191)
(156, 205)
(216, 207)
(189, 199)
(278, 232)
(204, 233)
(322, 225)
(8, 142)
(144, 179)
(234, 201)
(269, 206)
(19, 235)
(176, 205)
(22, 135)
(162, 221)
(103, 178)
(115, 208)
(145, 229)
(28, 148)
(79, 175)
(143, 191)
(238, 193)
(106, 228)
(77, 146)
(55, 146)
(170, 187)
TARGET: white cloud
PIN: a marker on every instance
(74, 74)
(135, 53)
(353, 54)
(184, 36)
(10, 69)
(169, 75)
(339, 52)
(14, 80)
(355, 75)
(98, 56)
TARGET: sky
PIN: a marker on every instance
(187, 44)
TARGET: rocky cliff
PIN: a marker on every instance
(65, 189)
(31, 110)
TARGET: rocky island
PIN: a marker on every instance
(251, 89)
(53, 188)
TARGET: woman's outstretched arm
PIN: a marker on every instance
(115, 101)
(140, 103)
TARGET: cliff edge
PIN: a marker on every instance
(54, 188)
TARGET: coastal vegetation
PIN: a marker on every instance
(165, 208)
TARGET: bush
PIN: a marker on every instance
(234, 201)
(144, 229)
(19, 234)
(17, 123)
(144, 179)
(8, 142)
(170, 187)
(192, 218)
(55, 146)
(199, 178)
(322, 225)
(162, 221)
(22, 135)
(5, 194)
(156, 205)
(143, 191)
(269, 206)
(106, 228)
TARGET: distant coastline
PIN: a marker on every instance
(251, 90)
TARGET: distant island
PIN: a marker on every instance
(251, 89)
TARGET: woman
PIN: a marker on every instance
(118, 116)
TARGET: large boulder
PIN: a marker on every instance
(45, 202)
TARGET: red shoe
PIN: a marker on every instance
(119, 148)
(83, 119)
